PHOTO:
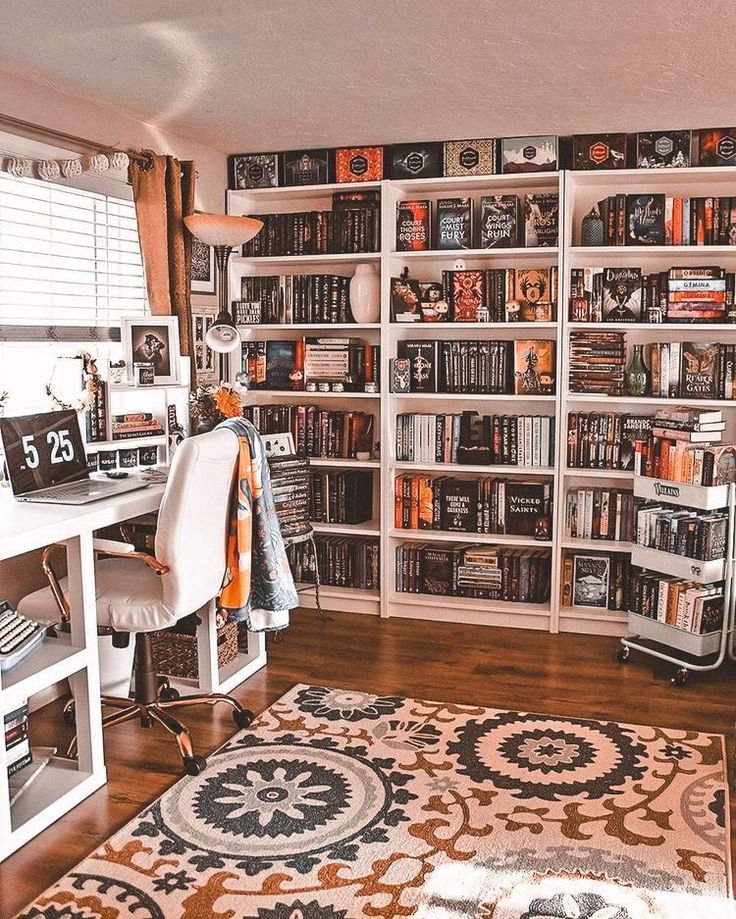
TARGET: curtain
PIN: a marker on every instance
(163, 192)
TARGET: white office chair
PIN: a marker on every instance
(139, 594)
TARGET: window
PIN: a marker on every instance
(69, 259)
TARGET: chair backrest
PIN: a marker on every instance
(193, 520)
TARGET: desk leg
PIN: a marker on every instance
(86, 683)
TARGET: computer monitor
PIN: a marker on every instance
(43, 450)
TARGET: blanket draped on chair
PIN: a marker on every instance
(259, 588)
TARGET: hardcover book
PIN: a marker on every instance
(254, 170)
(499, 221)
(533, 294)
(416, 161)
(413, 225)
(422, 357)
(645, 220)
(660, 149)
(634, 429)
(470, 157)
(699, 370)
(529, 154)
(284, 365)
(459, 506)
(590, 580)
(467, 295)
(306, 167)
(534, 367)
(622, 288)
(406, 296)
(454, 223)
(717, 147)
(599, 151)
(526, 507)
(359, 164)
(437, 569)
(541, 214)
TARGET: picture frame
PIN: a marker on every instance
(154, 339)
(203, 268)
(205, 359)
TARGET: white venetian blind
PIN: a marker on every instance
(68, 256)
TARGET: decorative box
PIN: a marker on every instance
(128, 459)
(539, 153)
(470, 157)
(659, 149)
(306, 167)
(107, 460)
(599, 151)
(253, 170)
(717, 147)
(147, 456)
(176, 655)
(358, 164)
(416, 161)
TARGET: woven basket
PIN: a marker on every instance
(176, 655)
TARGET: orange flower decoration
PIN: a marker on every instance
(228, 403)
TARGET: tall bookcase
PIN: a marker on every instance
(578, 191)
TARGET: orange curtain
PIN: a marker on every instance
(163, 192)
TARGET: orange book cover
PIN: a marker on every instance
(414, 506)
(677, 220)
(359, 164)
(398, 501)
(426, 516)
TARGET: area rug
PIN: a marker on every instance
(337, 804)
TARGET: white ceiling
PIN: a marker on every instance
(252, 75)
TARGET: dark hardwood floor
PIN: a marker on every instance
(574, 675)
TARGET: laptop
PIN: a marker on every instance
(47, 463)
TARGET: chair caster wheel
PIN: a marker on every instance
(680, 677)
(146, 722)
(623, 654)
(70, 714)
(243, 717)
(169, 694)
(193, 765)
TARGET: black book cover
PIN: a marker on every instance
(717, 147)
(633, 428)
(645, 220)
(454, 223)
(541, 213)
(499, 221)
(253, 170)
(622, 294)
(659, 149)
(282, 371)
(599, 151)
(526, 504)
(699, 370)
(437, 566)
(416, 161)
(422, 356)
(306, 167)
(459, 507)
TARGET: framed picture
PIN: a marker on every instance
(153, 339)
(204, 357)
(203, 268)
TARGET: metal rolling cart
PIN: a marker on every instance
(667, 638)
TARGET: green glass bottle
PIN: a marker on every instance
(638, 377)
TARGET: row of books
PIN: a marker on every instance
(484, 505)
(683, 604)
(524, 367)
(17, 741)
(342, 561)
(108, 460)
(597, 362)
(311, 364)
(353, 225)
(475, 295)
(692, 369)
(665, 220)
(284, 299)
(479, 572)
(95, 417)
(316, 431)
(682, 531)
(596, 581)
(679, 295)
(691, 464)
(600, 513)
(341, 497)
(605, 440)
(504, 221)
(467, 437)
(135, 424)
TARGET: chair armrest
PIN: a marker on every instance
(58, 593)
(126, 550)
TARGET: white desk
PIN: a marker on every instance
(62, 785)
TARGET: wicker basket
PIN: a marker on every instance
(176, 655)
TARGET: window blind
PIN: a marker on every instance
(68, 256)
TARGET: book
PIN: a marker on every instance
(406, 295)
(622, 294)
(467, 295)
(645, 220)
(534, 292)
(599, 151)
(499, 221)
(527, 507)
(699, 370)
(254, 170)
(534, 367)
(663, 149)
(422, 357)
(454, 223)
(417, 160)
(359, 164)
(470, 157)
(591, 575)
(536, 153)
(541, 213)
(284, 365)
(459, 512)
(717, 147)
(413, 221)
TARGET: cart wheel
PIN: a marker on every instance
(169, 694)
(623, 654)
(680, 677)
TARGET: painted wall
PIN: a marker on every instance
(51, 109)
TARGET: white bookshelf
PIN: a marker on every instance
(578, 191)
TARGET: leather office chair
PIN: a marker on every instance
(138, 593)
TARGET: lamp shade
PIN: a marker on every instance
(222, 229)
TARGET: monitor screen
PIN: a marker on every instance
(43, 450)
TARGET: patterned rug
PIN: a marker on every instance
(338, 804)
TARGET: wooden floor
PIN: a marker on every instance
(501, 668)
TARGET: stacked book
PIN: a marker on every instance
(341, 497)
(349, 361)
(324, 364)
(301, 298)
(480, 572)
(484, 505)
(342, 562)
(665, 220)
(290, 486)
(96, 414)
(135, 424)
(17, 741)
(683, 604)
(682, 531)
(597, 362)
(606, 440)
(316, 431)
(600, 513)
(600, 582)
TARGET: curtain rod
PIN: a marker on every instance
(51, 134)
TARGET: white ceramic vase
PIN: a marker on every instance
(365, 294)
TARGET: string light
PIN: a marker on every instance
(48, 170)
(71, 169)
(22, 167)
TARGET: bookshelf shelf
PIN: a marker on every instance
(532, 253)
(707, 328)
(495, 184)
(595, 545)
(369, 528)
(313, 327)
(592, 613)
(649, 400)
(623, 474)
(490, 538)
(472, 397)
(128, 443)
(256, 197)
(442, 328)
(306, 396)
(330, 461)
(328, 259)
(451, 468)
(679, 566)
